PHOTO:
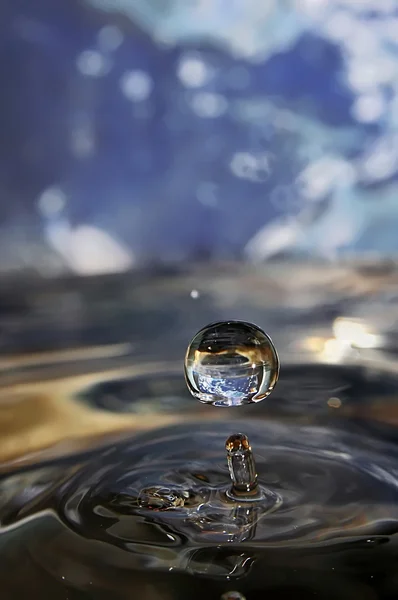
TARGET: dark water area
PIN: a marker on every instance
(75, 528)
(114, 481)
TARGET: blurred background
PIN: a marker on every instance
(168, 163)
(141, 132)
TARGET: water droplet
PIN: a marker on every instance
(162, 498)
(334, 402)
(231, 363)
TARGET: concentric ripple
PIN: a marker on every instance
(168, 490)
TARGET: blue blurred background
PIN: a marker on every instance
(138, 132)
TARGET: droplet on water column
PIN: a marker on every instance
(241, 465)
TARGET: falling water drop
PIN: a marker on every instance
(231, 363)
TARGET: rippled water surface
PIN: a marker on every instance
(114, 479)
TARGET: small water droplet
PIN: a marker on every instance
(231, 363)
(334, 402)
(162, 498)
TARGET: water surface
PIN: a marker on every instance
(95, 409)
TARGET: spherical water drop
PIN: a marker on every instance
(231, 363)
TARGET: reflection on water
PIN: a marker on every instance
(95, 415)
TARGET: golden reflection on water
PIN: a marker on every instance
(46, 413)
(35, 421)
(43, 415)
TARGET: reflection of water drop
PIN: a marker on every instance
(232, 596)
(162, 498)
(220, 563)
(231, 363)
